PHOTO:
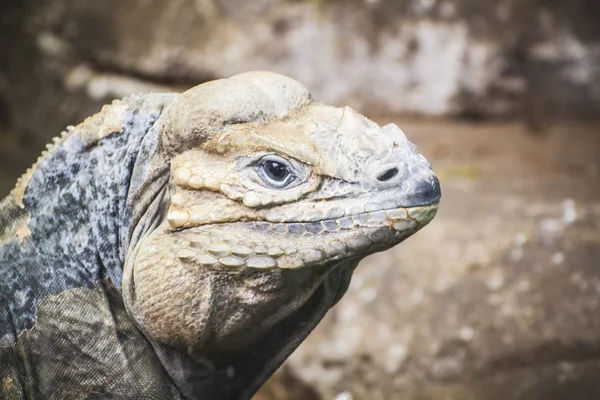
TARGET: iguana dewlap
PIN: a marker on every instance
(182, 246)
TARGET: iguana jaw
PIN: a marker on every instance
(221, 286)
(264, 245)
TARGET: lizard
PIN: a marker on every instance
(182, 245)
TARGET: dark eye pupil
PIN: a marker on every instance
(276, 171)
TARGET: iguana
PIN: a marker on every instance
(183, 245)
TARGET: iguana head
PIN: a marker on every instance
(269, 192)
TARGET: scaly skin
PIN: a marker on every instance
(248, 206)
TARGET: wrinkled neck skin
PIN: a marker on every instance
(232, 360)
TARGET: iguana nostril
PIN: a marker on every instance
(387, 175)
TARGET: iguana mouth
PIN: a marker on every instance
(391, 216)
(291, 245)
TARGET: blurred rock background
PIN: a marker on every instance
(498, 298)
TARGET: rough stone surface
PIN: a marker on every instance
(497, 299)
(65, 58)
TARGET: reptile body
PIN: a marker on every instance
(183, 245)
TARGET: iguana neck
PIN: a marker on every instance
(239, 374)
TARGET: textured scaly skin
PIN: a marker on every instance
(182, 246)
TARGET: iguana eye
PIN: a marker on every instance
(275, 171)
